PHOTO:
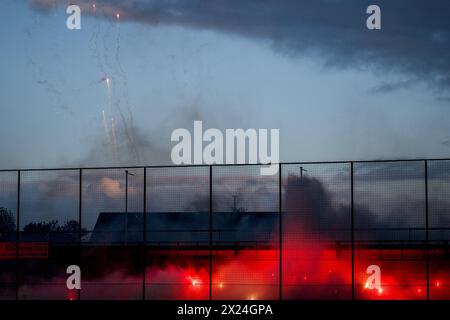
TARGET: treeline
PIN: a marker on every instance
(8, 225)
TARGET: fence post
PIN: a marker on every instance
(280, 222)
(144, 236)
(353, 228)
(80, 207)
(210, 233)
(17, 234)
(427, 241)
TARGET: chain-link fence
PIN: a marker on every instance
(313, 231)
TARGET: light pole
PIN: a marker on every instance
(127, 173)
(301, 171)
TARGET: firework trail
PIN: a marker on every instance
(42, 75)
(94, 41)
(114, 140)
(110, 132)
(127, 122)
(95, 47)
(105, 127)
(106, 45)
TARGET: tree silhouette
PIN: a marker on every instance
(7, 221)
(67, 232)
(42, 227)
(70, 226)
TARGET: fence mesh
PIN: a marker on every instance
(316, 215)
(48, 235)
(439, 228)
(349, 230)
(390, 229)
(112, 233)
(8, 228)
(177, 236)
(245, 234)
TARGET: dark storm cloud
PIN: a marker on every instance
(368, 172)
(414, 39)
(446, 142)
(392, 86)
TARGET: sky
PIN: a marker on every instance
(336, 90)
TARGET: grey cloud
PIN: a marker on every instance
(389, 171)
(444, 99)
(413, 41)
(388, 87)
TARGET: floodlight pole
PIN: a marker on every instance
(301, 171)
(127, 173)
